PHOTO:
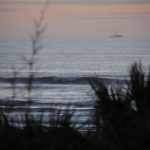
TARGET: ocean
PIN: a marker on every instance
(66, 59)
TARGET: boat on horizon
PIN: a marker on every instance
(116, 35)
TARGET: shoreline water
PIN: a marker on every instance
(66, 95)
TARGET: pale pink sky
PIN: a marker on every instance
(77, 18)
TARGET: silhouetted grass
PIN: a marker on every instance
(122, 112)
(121, 121)
(60, 134)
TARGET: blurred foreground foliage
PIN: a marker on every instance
(121, 121)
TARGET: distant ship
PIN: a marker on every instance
(116, 35)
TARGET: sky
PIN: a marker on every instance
(78, 16)
(88, 1)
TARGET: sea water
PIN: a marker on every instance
(67, 57)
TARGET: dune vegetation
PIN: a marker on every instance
(121, 120)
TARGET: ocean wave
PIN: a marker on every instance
(34, 104)
(61, 80)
